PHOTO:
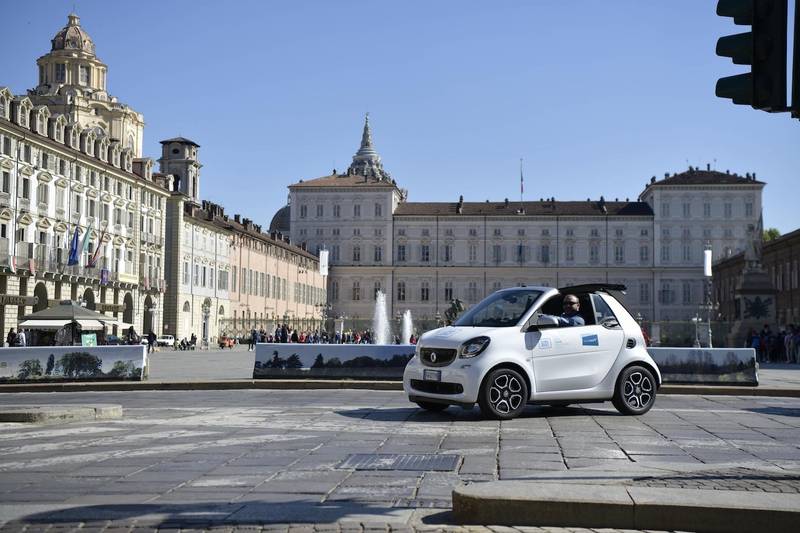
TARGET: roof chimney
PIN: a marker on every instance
(506, 202)
(708, 166)
(237, 218)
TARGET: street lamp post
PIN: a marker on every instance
(707, 255)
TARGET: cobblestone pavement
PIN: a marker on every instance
(742, 479)
(250, 457)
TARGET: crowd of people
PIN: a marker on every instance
(778, 346)
(285, 334)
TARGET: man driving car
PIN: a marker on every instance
(571, 315)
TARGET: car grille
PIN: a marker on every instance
(443, 357)
(436, 387)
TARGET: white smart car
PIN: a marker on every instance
(509, 350)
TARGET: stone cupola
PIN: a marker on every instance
(367, 162)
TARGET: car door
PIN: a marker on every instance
(577, 357)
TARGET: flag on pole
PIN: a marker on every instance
(73, 250)
(85, 242)
(521, 180)
(93, 259)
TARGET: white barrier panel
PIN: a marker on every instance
(332, 360)
(722, 366)
(72, 363)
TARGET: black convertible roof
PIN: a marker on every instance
(594, 287)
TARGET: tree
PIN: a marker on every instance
(51, 363)
(294, 361)
(81, 365)
(319, 362)
(31, 368)
(770, 234)
(121, 369)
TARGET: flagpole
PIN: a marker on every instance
(521, 184)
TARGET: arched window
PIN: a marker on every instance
(186, 307)
(41, 123)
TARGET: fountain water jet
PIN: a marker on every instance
(380, 320)
(408, 328)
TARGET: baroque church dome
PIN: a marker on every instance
(73, 37)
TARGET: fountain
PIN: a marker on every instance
(408, 328)
(380, 321)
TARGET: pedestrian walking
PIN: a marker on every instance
(11, 339)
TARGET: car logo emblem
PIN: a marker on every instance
(433, 357)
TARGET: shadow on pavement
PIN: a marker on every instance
(416, 414)
(779, 411)
(206, 514)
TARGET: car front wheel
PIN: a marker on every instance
(636, 391)
(503, 395)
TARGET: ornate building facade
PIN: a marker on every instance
(424, 254)
(70, 157)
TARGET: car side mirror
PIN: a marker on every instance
(543, 322)
(610, 323)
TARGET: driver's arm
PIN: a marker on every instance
(576, 320)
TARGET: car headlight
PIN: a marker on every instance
(473, 347)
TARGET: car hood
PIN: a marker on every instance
(453, 336)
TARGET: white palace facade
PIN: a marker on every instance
(425, 254)
(71, 157)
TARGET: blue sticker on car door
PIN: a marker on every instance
(590, 340)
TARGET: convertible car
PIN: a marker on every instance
(511, 349)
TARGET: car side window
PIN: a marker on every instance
(603, 314)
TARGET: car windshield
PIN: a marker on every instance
(501, 309)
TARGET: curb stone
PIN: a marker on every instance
(513, 503)
(50, 414)
(323, 384)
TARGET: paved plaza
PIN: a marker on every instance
(253, 457)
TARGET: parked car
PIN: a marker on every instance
(509, 351)
(226, 342)
(165, 340)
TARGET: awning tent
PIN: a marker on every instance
(66, 312)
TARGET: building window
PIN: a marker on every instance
(666, 295)
(687, 293)
(618, 232)
(186, 273)
(83, 74)
(473, 232)
(687, 210)
(472, 292)
(665, 210)
(644, 232)
(706, 209)
(26, 187)
(401, 253)
(5, 182)
(748, 209)
(356, 254)
(448, 253)
(356, 211)
(335, 253)
(521, 232)
(426, 232)
(356, 291)
(335, 291)
(498, 232)
(378, 210)
(233, 279)
(665, 253)
(570, 252)
(401, 291)
(728, 210)
(61, 72)
(594, 254)
(401, 232)
(619, 253)
(473, 253)
(425, 253)
(448, 291)
(644, 292)
(594, 232)
(687, 253)
(376, 289)
(425, 291)
(337, 211)
(356, 232)
(196, 275)
(303, 211)
(378, 254)
(544, 252)
(570, 232)
(644, 254)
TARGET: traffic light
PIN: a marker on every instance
(764, 48)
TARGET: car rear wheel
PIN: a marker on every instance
(503, 395)
(636, 391)
(433, 406)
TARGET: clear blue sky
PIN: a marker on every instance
(595, 96)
